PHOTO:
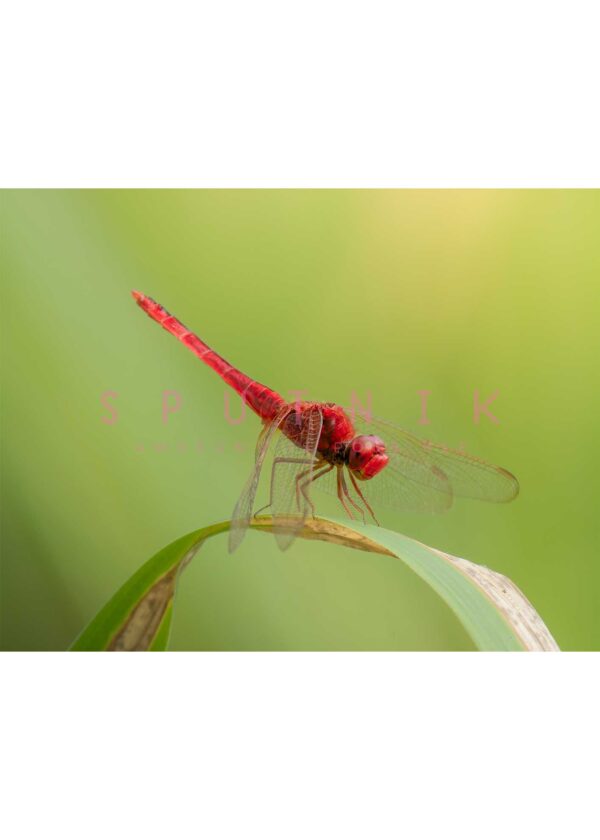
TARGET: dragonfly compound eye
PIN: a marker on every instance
(366, 456)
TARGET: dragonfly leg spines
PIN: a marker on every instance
(272, 484)
(349, 497)
(299, 478)
(341, 493)
(304, 486)
(358, 490)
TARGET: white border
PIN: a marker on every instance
(328, 94)
(296, 746)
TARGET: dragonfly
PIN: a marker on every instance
(362, 460)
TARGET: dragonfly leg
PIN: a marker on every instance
(303, 475)
(305, 484)
(275, 462)
(350, 499)
(368, 506)
(341, 492)
(299, 478)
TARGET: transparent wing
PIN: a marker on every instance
(423, 476)
(242, 513)
(391, 491)
(432, 471)
(292, 473)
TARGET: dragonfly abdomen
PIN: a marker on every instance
(265, 402)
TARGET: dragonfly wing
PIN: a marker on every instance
(390, 491)
(293, 470)
(242, 513)
(424, 476)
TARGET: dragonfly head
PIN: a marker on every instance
(366, 456)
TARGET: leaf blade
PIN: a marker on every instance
(495, 613)
(112, 618)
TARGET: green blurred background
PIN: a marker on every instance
(388, 292)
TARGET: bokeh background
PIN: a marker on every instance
(388, 292)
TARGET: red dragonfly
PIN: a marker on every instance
(363, 462)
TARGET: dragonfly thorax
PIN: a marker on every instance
(364, 455)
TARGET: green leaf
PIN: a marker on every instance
(494, 612)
